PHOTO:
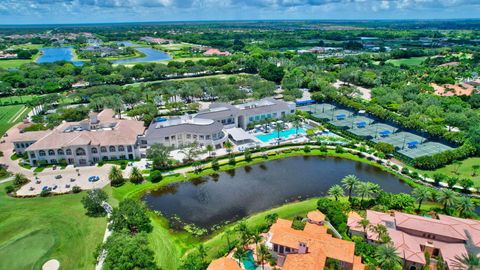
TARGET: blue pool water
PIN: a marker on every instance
(50, 55)
(249, 262)
(283, 134)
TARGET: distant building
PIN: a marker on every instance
(101, 137)
(157, 40)
(216, 52)
(6, 55)
(310, 248)
(414, 236)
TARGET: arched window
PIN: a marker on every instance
(69, 152)
(94, 150)
(80, 152)
(51, 152)
(111, 148)
(121, 148)
(60, 152)
(103, 149)
(41, 153)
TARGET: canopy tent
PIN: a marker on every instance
(412, 144)
(341, 116)
(385, 133)
(305, 102)
(361, 124)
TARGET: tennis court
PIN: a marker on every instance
(425, 149)
(322, 110)
(400, 139)
(374, 130)
(352, 121)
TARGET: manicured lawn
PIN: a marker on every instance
(17, 99)
(414, 61)
(35, 230)
(464, 171)
(14, 63)
(10, 115)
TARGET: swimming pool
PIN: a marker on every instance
(283, 134)
(249, 262)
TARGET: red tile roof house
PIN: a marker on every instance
(216, 52)
(413, 236)
(310, 248)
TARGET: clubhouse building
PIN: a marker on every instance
(101, 137)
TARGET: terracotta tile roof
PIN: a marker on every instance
(448, 90)
(321, 246)
(224, 263)
(32, 136)
(316, 216)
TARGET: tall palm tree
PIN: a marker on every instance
(387, 257)
(228, 145)
(382, 233)
(278, 127)
(350, 182)
(467, 262)
(239, 254)
(421, 194)
(465, 205)
(244, 232)
(365, 190)
(447, 198)
(336, 191)
(297, 123)
(209, 149)
(364, 223)
(263, 254)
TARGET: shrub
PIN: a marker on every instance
(231, 160)
(395, 167)
(9, 189)
(415, 175)
(45, 193)
(76, 189)
(405, 171)
(306, 149)
(248, 155)
(215, 164)
(339, 149)
(155, 176)
(323, 148)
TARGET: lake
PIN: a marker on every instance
(151, 55)
(50, 55)
(227, 196)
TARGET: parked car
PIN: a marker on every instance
(58, 176)
(93, 178)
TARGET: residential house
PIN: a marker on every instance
(311, 248)
(224, 263)
(414, 236)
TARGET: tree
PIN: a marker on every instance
(382, 233)
(468, 261)
(191, 152)
(244, 232)
(385, 148)
(271, 72)
(456, 166)
(19, 180)
(336, 191)
(475, 169)
(228, 146)
(421, 194)
(278, 127)
(130, 215)
(452, 181)
(136, 176)
(210, 149)
(160, 155)
(447, 198)
(364, 223)
(93, 201)
(466, 183)
(128, 252)
(263, 253)
(465, 206)
(350, 182)
(116, 176)
(365, 190)
(240, 254)
(387, 257)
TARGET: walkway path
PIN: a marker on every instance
(108, 232)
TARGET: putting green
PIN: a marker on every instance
(33, 246)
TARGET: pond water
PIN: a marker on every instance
(151, 55)
(231, 195)
(50, 55)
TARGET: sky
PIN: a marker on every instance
(104, 11)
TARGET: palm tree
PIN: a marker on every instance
(421, 194)
(116, 176)
(136, 176)
(278, 127)
(350, 182)
(297, 123)
(191, 152)
(467, 261)
(447, 198)
(365, 190)
(382, 233)
(364, 223)
(387, 257)
(239, 254)
(210, 149)
(263, 254)
(229, 146)
(202, 252)
(464, 206)
(336, 191)
(245, 235)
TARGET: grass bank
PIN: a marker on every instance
(35, 230)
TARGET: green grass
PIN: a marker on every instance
(17, 99)
(35, 230)
(464, 171)
(14, 63)
(414, 61)
(10, 115)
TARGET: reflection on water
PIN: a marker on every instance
(206, 201)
